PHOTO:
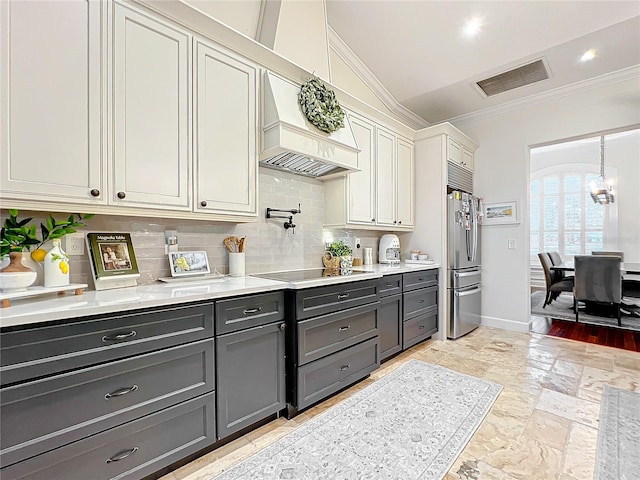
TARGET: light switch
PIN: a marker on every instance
(511, 244)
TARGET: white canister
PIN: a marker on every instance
(56, 266)
(236, 264)
(368, 256)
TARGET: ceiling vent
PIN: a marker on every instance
(518, 77)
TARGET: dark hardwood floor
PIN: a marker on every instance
(582, 332)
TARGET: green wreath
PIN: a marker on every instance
(320, 106)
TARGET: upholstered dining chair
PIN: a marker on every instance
(598, 279)
(556, 259)
(554, 285)
(630, 284)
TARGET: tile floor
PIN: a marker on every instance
(544, 424)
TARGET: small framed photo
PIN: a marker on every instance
(188, 263)
(500, 213)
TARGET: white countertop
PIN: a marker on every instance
(52, 307)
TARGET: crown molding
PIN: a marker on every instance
(349, 57)
(564, 91)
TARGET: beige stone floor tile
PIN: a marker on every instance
(467, 468)
(569, 407)
(594, 380)
(461, 347)
(567, 368)
(430, 355)
(590, 395)
(526, 458)
(513, 403)
(217, 461)
(548, 429)
(595, 359)
(627, 363)
(580, 454)
(475, 368)
(541, 356)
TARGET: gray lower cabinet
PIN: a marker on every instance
(420, 307)
(333, 341)
(390, 315)
(108, 396)
(130, 451)
(250, 360)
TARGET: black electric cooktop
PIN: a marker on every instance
(309, 274)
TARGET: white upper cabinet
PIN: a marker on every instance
(151, 76)
(386, 178)
(225, 156)
(381, 195)
(361, 185)
(405, 183)
(51, 101)
(459, 155)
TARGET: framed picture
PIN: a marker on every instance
(112, 255)
(500, 213)
(188, 263)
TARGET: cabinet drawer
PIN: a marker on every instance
(130, 451)
(250, 311)
(322, 300)
(84, 402)
(419, 301)
(419, 328)
(421, 279)
(390, 285)
(45, 350)
(327, 334)
(321, 378)
(390, 326)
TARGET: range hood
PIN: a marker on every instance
(290, 142)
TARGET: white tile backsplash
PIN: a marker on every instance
(269, 246)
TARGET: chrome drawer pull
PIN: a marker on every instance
(421, 279)
(118, 336)
(421, 327)
(283, 326)
(252, 310)
(388, 285)
(421, 301)
(344, 367)
(122, 455)
(121, 392)
(342, 296)
(342, 329)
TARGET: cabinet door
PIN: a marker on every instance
(251, 376)
(404, 184)
(390, 326)
(151, 112)
(225, 143)
(51, 79)
(386, 177)
(361, 185)
(467, 159)
(454, 151)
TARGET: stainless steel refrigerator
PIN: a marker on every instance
(463, 263)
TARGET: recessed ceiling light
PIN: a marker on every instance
(588, 55)
(472, 27)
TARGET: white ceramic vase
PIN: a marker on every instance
(56, 266)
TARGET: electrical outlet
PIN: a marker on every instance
(511, 244)
(74, 244)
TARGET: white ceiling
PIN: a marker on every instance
(418, 53)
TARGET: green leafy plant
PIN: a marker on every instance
(17, 235)
(339, 249)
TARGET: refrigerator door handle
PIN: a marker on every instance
(467, 274)
(474, 220)
(467, 292)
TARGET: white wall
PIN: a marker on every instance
(502, 173)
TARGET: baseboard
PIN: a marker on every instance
(506, 324)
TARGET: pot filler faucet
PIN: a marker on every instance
(289, 223)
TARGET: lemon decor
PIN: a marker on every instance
(320, 106)
(56, 266)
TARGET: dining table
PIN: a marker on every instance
(628, 268)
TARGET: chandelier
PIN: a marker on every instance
(602, 190)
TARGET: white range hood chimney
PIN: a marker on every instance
(290, 142)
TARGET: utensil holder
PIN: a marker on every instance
(236, 264)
